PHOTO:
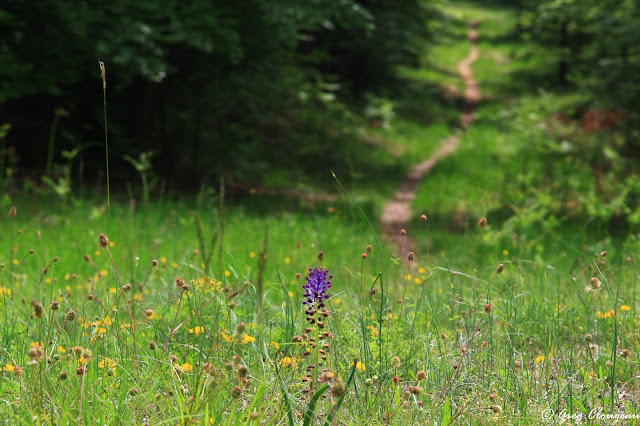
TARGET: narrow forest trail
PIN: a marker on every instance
(397, 213)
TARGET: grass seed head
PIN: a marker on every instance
(70, 315)
(38, 310)
(103, 241)
(236, 392)
(500, 268)
(55, 305)
(487, 307)
(13, 212)
(482, 223)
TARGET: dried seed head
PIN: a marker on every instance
(416, 390)
(152, 345)
(62, 375)
(487, 307)
(500, 268)
(482, 223)
(38, 310)
(87, 258)
(368, 248)
(13, 212)
(103, 241)
(411, 256)
(421, 375)
(625, 353)
(70, 315)
(148, 312)
(55, 305)
(595, 283)
(55, 259)
(403, 232)
(364, 255)
(90, 296)
(236, 392)
(17, 371)
(154, 263)
(320, 255)
(81, 370)
(423, 217)
(243, 371)
(126, 288)
(180, 283)
(443, 335)
(31, 251)
(232, 305)
(339, 388)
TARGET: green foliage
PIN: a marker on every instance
(213, 88)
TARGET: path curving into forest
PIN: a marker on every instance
(397, 213)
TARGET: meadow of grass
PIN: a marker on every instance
(192, 312)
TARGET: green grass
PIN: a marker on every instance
(490, 328)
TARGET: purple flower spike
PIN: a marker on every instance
(315, 290)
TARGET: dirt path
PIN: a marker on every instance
(397, 213)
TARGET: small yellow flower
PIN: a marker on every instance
(106, 364)
(275, 345)
(252, 255)
(417, 280)
(248, 339)
(505, 252)
(16, 261)
(227, 273)
(35, 344)
(421, 270)
(104, 272)
(112, 244)
(174, 265)
(288, 362)
(67, 276)
(97, 253)
(359, 366)
(163, 259)
(374, 331)
(287, 260)
(290, 293)
(625, 308)
(61, 350)
(186, 368)
(113, 290)
(539, 359)
(197, 330)
(9, 368)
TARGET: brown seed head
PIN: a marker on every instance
(368, 248)
(148, 312)
(55, 305)
(487, 307)
(81, 370)
(320, 255)
(500, 268)
(87, 258)
(243, 371)
(423, 217)
(482, 223)
(421, 375)
(154, 263)
(236, 392)
(364, 255)
(411, 256)
(415, 390)
(180, 283)
(62, 375)
(339, 388)
(70, 315)
(403, 232)
(13, 212)
(625, 353)
(103, 241)
(240, 327)
(38, 310)
(152, 345)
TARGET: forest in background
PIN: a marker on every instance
(263, 93)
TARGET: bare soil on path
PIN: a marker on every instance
(397, 213)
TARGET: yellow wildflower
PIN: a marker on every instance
(247, 339)
(288, 362)
(197, 330)
(539, 359)
(227, 273)
(625, 308)
(359, 366)
(186, 368)
(287, 260)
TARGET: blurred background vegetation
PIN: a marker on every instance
(277, 93)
